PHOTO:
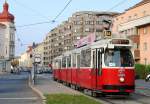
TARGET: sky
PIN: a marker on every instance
(34, 11)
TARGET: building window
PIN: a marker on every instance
(145, 30)
(136, 45)
(99, 22)
(145, 46)
(87, 30)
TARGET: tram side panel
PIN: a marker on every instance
(63, 73)
(56, 74)
(68, 75)
(85, 78)
(74, 77)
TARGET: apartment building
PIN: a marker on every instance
(63, 37)
(7, 38)
(134, 23)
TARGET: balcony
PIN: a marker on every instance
(136, 54)
(11, 56)
(12, 43)
(134, 23)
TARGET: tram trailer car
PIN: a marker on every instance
(105, 66)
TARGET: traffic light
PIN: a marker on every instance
(30, 55)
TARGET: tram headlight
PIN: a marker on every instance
(122, 79)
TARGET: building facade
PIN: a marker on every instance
(7, 38)
(134, 23)
(80, 24)
(39, 50)
(25, 60)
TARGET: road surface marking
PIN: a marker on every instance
(24, 98)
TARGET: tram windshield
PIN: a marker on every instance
(118, 57)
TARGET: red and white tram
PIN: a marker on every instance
(105, 66)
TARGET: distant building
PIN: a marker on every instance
(134, 23)
(63, 37)
(39, 50)
(25, 60)
(7, 38)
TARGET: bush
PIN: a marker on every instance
(140, 70)
(147, 69)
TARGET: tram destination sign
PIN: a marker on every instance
(120, 41)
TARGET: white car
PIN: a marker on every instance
(147, 78)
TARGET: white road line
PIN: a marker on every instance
(24, 98)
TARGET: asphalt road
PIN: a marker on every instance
(14, 89)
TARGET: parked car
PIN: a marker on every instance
(39, 71)
(47, 70)
(147, 77)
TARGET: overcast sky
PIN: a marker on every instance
(34, 11)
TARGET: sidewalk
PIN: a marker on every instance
(142, 87)
(2, 73)
(47, 86)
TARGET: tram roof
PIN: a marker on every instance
(97, 44)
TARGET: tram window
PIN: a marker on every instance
(94, 59)
(64, 62)
(59, 63)
(78, 61)
(119, 58)
(56, 64)
(86, 58)
(69, 61)
(74, 60)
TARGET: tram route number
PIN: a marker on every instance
(121, 72)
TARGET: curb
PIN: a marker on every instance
(37, 91)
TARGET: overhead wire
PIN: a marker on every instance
(62, 10)
(49, 21)
(52, 21)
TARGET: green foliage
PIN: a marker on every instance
(68, 99)
(147, 69)
(142, 70)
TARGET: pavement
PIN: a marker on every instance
(14, 89)
(142, 87)
(46, 85)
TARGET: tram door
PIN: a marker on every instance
(97, 65)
